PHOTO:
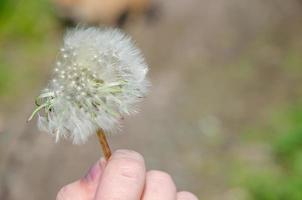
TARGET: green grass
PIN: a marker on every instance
(6, 78)
(25, 19)
(283, 182)
(28, 29)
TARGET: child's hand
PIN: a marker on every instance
(123, 177)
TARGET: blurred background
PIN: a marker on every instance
(225, 113)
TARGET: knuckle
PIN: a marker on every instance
(184, 195)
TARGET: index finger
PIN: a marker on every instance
(123, 177)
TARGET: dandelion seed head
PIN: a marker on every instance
(99, 76)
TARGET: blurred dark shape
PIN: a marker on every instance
(154, 13)
(123, 19)
(104, 12)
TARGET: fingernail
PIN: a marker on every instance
(94, 172)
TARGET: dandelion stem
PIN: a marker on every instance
(104, 144)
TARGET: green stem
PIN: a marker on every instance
(36, 111)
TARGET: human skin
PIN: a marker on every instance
(123, 177)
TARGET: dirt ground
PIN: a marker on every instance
(216, 69)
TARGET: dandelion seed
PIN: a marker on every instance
(106, 76)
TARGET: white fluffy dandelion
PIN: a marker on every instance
(99, 76)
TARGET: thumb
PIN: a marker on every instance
(85, 188)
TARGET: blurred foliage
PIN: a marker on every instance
(282, 181)
(5, 78)
(25, 19)
(293, 60)
(26, 37)
(288, 146)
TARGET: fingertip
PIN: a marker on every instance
(159, 185)
(128, 154)
(62, 194)
(184, 195)
(160, 176)
(123, 177)
(74, 191)
(161, 179)
(129, 163)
